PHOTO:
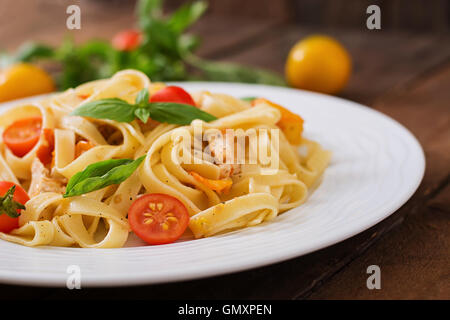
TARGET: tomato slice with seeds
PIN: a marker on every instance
(158, 218)
(22, 135)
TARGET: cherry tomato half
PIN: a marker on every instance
(22, 135)
(8, 223)
(172, 94)
(158, 218)
(127, 40)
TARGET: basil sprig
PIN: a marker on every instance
(248, 99)
(122, 111)
(101, 174)
(8, 206)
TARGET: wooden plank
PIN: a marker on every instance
(416, 15)
(219, 38)
(45, 21)
(382, 61)
(47, 24)
(442, 199)
(413, 261)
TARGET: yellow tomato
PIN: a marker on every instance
(318, 63)
(23, 80)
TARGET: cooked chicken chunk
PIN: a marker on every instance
(222, 150)
(41, 181)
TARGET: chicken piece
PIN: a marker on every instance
(222, 149)
(227, 170)
(41, 181)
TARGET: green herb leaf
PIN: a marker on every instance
(111, 108)
(8, 206)
(142, 114)
(142, 97)
(186, 15)
(100, 175)
(248, 99)
(187, 43)
(177, 113)
(160, 39)
(232, 72)
(121, 111)
(147, 10)
(95, 170)
(30, 50)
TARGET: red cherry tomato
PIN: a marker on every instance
(127, 40)
(158, 218)
(172, 94)
(22, 135)
(8, 223)
(44, 152)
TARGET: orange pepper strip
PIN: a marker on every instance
(44, 152)
(84, 96)
(216, 185)
(290, 123)
(81, 147)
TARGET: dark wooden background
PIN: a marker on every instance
(410, 15)
(402, 70)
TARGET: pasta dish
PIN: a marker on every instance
(87, 166)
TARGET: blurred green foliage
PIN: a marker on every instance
(165, 53)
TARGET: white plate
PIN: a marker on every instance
(377, 165)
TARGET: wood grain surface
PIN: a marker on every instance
(404, 75)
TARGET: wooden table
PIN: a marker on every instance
(406, 76)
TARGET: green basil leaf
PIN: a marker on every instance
(8, 205)
(187, 43)
(161, 40)
(186, 15)
(30, 50)
(233, 72)
(111, 108)
(142, 97)
(147, 10)
(143, 114)
(248, 99)
(177, 113)
(100, 175)
(95, 170)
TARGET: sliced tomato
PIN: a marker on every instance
(8, 223)
(45, 150)
(127, 40)
(22, 135)
(172, 94)
(158, 218)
